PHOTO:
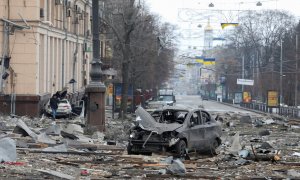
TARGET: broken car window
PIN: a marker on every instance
(195, 118)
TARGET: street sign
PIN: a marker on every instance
(248, 82)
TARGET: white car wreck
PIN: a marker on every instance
(174, 129)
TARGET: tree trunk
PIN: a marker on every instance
(125, 78)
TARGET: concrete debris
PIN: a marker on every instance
(244, 153)
(246, 119)
(176, 167)
(68, 135)
(2, 126)
(52, 130)
(21, 144)
(59, 148)
(235, 146)
(43, 138)
(296, 154)
(98, 136)
(292, 173)
(265, 145)
(8, 152)
(73, 129)
(57, 174)
(253, 146)
(264, 132)
(242, 162)
(23, 129)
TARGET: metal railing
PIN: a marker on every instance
(291, 112)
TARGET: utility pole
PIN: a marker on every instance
(96, 88)
(4, 53)
(280, 90)
(296, 83)
(243, 71)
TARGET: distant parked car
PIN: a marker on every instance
(174, 129)
(64, 108)
(204, 98)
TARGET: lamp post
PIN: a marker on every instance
(280, 90)
(96, 88)
(296, 78)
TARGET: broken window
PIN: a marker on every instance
(195, 118)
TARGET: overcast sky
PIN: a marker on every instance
(169, 9)
(189, 14)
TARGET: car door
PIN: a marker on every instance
(196, 131)
(209, 128)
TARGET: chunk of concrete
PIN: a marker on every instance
(264, 133)
(43, 138)
(21, 144)
(59, 148)
(68, 135)
(22, 128)
(73, 129)
(53, 130)
(265, 145)
(2, 126)
(235, 146)
(8, 151)
(246, 120)
(176, 168)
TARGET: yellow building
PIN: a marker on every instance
(49, 44)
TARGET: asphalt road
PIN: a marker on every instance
(211, 106)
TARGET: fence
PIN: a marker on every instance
(284, 111)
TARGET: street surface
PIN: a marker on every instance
(210, 106)
(64, 151)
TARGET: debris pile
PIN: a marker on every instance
(253, 146)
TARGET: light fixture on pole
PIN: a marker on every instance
(211, 5)
(258, 3)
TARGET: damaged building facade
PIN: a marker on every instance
(45, 46)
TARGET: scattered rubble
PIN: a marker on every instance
(253, 146)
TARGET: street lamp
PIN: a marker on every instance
(258, 3)
(96, 88)
(211, 5)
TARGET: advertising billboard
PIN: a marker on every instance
(238, 97)
(273, 99)
(246, 97)
(118, 97)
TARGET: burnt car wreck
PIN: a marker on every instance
(174, 129)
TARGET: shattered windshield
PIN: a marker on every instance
(148, 122)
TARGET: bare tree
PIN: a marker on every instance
(257, 39)
(135, 45)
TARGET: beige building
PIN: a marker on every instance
(49, 44)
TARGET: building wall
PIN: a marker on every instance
(47, 56)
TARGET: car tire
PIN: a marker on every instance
(129, 151)
(214, 147)
(181, 149)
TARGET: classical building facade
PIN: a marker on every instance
(45, 45)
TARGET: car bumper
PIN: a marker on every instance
(150, 146)
(59, 113)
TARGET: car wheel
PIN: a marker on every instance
(129, 147)
(214, 147)
(181, 149)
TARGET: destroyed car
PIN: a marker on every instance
(64, 108)
(174, 129)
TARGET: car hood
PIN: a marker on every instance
(147, 122)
